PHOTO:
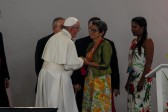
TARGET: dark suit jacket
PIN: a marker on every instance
(81, 46)
(77, 78)
(3, 75)
(39, 51)
(3, 65)
(115, 76)
(38, 54)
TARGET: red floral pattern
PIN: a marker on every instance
(133, 45)
(149, 79)
(131, 88)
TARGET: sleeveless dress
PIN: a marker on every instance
(138, 101)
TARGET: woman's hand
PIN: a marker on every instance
(127, 86)
(85, 61)
(116, 92)
(140, 84)
(92, 64)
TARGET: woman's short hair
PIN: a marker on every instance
(101, 25)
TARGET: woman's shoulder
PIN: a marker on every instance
(148, 40)
(106, 43)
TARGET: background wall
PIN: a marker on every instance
(23, 22)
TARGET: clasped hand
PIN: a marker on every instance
(86, 62)
(140, 84)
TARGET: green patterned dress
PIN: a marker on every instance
(97, 88)
(97, 94)
(138, 101)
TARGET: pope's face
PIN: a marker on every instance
(75, 29)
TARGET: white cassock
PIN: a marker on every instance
(54, 87)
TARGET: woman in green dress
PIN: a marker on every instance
(97, 89)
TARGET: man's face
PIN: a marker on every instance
(75, 29)
(58, 26)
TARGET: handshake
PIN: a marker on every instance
(85, 61)
(90, 63)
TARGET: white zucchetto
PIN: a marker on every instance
(70, 21)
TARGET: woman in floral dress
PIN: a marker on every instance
(97, 88)
(140, 61)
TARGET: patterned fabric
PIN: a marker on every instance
(97, 94)
(138, 101)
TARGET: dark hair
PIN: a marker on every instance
(141, 21)
(57, 19)
(93, 19)
(101, 25)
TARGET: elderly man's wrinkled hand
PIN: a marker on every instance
(77, 87)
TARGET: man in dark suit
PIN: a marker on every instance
(4, 76)
(78, 79)
(57, 26)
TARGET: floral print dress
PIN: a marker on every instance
(138, 101)
(97, 96)
(97, 93)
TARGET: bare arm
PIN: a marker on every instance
(149, 50)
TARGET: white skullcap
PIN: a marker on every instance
(70, 21)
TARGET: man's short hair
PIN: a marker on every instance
(93, 19)
(57, 19)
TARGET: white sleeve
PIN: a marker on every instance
(73, 62)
